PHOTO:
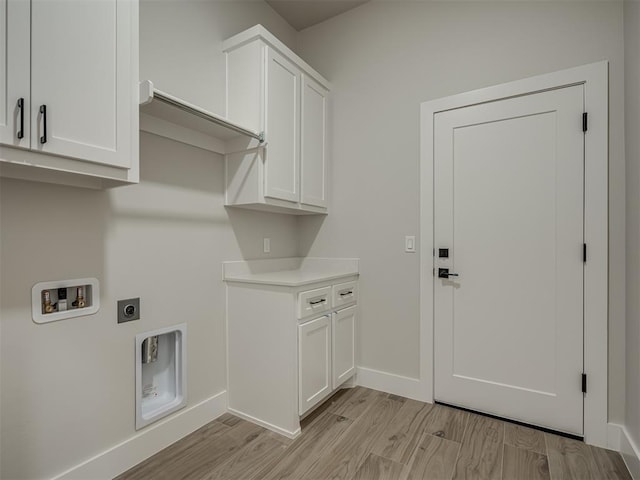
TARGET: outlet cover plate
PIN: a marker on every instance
(128, 310)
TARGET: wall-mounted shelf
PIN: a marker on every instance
(171, 117)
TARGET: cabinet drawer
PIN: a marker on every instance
(345, 294)
(313, 302)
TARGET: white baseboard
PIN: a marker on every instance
(614, 433)
(151, 440)
(264, 424)
(630, 453)
(390, 383)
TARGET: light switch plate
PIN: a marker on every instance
(410, 244)
(266, 242)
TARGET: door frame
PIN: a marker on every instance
(594, 77)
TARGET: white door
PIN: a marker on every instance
(81, 79)
(509, 209)
(14, 72)
(282, 158)
(314, 362)
(313, 144)
(343, 329)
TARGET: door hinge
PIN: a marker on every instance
(584, 121)
(584, 252)
(584, 383)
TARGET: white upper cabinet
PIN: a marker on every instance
(272, 90)
(81, 71)
(14, 73)
(313, 143)
(282, 158)
(75, 65)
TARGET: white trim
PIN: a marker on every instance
(630, 453)
(614, 433)
(595, 79)
(389, 383)
(267, 425)
(142, 445)
(258, 32)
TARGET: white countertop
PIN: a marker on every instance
(290, 272)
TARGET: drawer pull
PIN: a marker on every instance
(318, 302)
(344, 294)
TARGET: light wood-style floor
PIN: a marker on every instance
(362, 434)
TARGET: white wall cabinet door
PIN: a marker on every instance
(81, 70)
(271, 89)
(282, 158)
(343, 329)
(313, 143)
(314, 362)
(14, 72)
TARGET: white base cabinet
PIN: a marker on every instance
(343, 331)
(314, 362)
(326, 356)
(289, 348)
(272, 90)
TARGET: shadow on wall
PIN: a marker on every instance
(178, 184)
(252, 227)
(48, 232)
(309, 226)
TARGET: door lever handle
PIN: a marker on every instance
(444, 273)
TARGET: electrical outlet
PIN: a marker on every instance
(128, 310)
(410, 244)
(266, 243)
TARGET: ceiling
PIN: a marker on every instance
(301, 14)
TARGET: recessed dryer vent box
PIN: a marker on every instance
(161, 373)
(62, 299)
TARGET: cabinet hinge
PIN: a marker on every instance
(584, 383)
(584, 252)
(584, 121)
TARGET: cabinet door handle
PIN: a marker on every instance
(20, 133)
(344, 294)
(317, 302)
(43, 111)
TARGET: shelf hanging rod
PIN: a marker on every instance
(218, 121)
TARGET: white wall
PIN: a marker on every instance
(632, 144)
(180, 44)
(68, 387)
(384, 59)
